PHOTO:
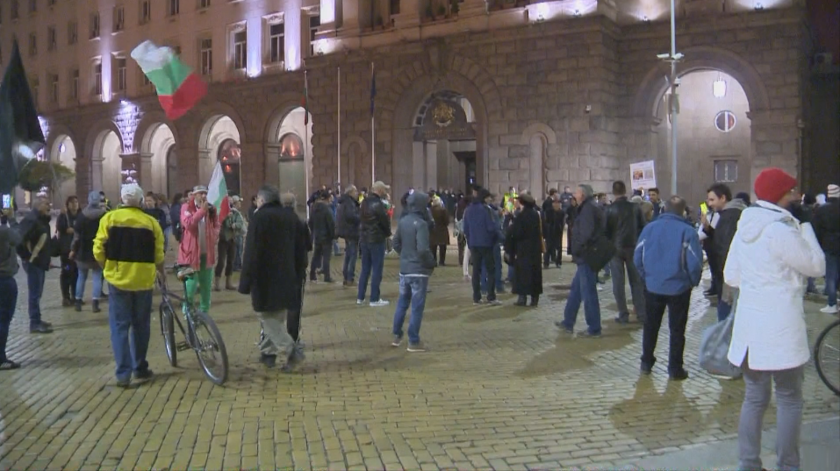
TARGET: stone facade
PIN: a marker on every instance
(588, 87)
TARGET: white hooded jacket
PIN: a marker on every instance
(771, 256)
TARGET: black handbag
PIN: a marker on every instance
(598, 253)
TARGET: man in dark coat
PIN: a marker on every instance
(554, 221)
(272, 273)
(827, 229)
(588, 225)
(625, 222)
(721, 234)
(35, 254)
(322, 226)
(375, 230)
(347, 227)
(523, 243)
(483, 233)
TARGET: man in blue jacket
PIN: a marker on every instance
(483, 233)
(669, 260)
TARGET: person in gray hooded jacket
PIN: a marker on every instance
(9, 239)
(416, 266)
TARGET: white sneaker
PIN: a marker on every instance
(359, 302)
(379, 303)
(829, 310)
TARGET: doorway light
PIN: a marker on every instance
(719, 87)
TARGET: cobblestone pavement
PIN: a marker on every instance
(500, 388)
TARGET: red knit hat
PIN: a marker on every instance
(772, 184)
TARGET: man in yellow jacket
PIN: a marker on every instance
(129, 246)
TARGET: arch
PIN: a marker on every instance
(106, 163)
(274, 120)
(290, 172)
(155, 143)
(149, 122)
(216, 130)
(538, 128)
(345, 145)
(650, 90)
(93, 140)
(211, 114)
(537, 151)
(62, 149)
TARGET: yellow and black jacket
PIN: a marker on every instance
(128, 245)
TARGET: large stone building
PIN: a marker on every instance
(533, 95)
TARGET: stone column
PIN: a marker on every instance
(145, 174)
(95, 183)
(431, 165)
(350, 10)
(418, 167)
(271, 170)
(253, 157)
(130, 169)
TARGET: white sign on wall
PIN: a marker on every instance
(642, 175)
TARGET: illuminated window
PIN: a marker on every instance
(72, 32)
(119, 18)
(291, 147)
(145, 11)
(53, 88)
(51, 40)
(173, 7)
(240, 50)
(314, 23)
(206, 56)
(97, 79)
(33, 44)
(725, 121)
(94, 25)
(230, 156)
(120, 66)
(276, 43)
(726, 171)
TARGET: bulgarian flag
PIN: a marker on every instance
(178, 87)
(217, 192)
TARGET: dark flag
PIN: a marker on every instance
(21, 136)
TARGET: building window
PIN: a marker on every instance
(120, 66)
(94, 25)
(240, 50)
(725, 121)
(35, 90)
(173, 7)
(291, 147)
(395, 7)
(53, 88)
(51, 39)
(33, 44)
(203, 4)
(74, 84)
(206, 59)
(33, 6)
(276, 42)
(72, 32)
(15, 9)
(119, 18)
(314, 23)
(726, 171)
(145, 11)
(97, 79)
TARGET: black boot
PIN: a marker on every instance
(95, 305)
(535, 300)
(521, 301)
(78, 305)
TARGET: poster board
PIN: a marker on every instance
(642, 175)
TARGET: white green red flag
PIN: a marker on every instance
(217, 192)
(178, 87)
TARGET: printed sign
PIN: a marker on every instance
(642, 175)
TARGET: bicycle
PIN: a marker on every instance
(827, 348)
(211, 353)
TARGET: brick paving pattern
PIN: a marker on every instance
(500, 388)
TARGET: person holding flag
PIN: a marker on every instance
(201, 224)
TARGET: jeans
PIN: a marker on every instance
(624, 258)
(67, 278)
(96, 280)
(167, 233)
(237, 256)
(483, 262)
(583, 290)
(351, 249)
(373, 260)
(832, 276)
(8, 300)
(497, 261)
(412, 291)
(204, 278)
(321, 259)
(130, 317)
(35, 283)
(677, 318)
(788, 416)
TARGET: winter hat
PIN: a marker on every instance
(199, 189)
(833, 191)
(94, 199)
(772, 184)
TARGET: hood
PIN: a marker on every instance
(417, 202)
(93, 212)
(756, 218)
(737, 203)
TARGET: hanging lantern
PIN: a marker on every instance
(719, 87)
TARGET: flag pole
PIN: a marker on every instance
(338, 147)
(372, 126)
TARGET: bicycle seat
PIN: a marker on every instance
(184, 272)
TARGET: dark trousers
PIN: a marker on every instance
(677, 318)
(462, 244)
(69, 276)
(439, 249)
(8, 300)
(483, 257)
(321, 259)
(553, 252)
(293, 323)
(35, 283)
(716, 272)
(227, 253)
(351, 254)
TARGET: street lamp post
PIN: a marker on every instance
(673, 101)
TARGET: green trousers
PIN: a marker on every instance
(204, 278)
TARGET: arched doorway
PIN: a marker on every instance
(106, 165)
(157, 143)
(289, 147)
(173, 186)
(218, 132)
(230, 156)
(63, 151)
(713, 136)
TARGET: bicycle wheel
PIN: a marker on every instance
(210, 348)
(167, 328)
(827, 356)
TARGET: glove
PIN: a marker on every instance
(800, 213)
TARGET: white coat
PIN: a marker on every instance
(770, 258)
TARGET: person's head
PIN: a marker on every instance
(583, 192)
(602, 198)
(717, 196)
(150, 201)
(619, 188)
(235, 202)
(552, 192)
(131, 195)
(325, 195)
(653, 194)
(72, 204)
(676, 205)
(288, 200)
(526, 200)
(809, 199)
(177, 198)
(776, 186)
(199, 194)
(567, 190)
(267, 194)
(556, 205)
(42, 205)
(743, 196)
(102, 194)
(832, 191)
(484, 196)
(352, 191)
(94, 199)
(380, 189)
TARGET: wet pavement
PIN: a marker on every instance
(500, 388)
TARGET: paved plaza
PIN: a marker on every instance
(500, 388)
